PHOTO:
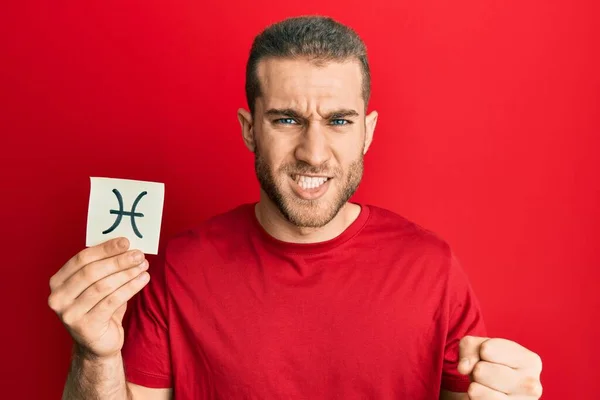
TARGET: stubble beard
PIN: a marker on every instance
(307, 213)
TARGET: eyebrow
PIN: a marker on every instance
(289, 112)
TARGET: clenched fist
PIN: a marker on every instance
(500, 369)
(90, 293)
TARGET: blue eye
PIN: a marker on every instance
(285, 121)
(339, 121)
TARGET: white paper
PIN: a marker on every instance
(111, 213)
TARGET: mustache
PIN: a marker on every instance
(306, 169)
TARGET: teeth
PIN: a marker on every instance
(308, 182)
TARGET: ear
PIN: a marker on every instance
(245, 119)
(370, 123)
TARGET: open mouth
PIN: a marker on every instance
(310, 187)
(309, 182)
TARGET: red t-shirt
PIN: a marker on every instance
(232, 313)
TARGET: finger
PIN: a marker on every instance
(496, 376)
(98, 270)
(468, 351)
(509, 353)
(76, 284)
(111, 303)
(100, 290)
(529, 387)
(477, 391)
(86, 256)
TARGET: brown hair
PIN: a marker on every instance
(320, 39)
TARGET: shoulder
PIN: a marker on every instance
(408, 244)
(420, 255)
(222, 227)
(396, 229)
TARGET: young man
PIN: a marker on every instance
(302, 295)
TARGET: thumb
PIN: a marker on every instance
(468, 353)
(118, 315)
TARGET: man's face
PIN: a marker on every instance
(309, 135)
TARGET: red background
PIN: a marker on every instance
(488, 135)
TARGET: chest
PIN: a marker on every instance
(305, 325)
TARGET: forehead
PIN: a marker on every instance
(300, 83)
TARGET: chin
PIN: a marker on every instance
(309, 213)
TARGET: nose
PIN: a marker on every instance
(313, 148)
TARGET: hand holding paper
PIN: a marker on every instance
(90, 292)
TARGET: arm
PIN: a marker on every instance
(104, 378)
(89, 294)
(464, 318)
(446, 395)
(143, 393)
(95, 378)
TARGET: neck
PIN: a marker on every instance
(280, 228)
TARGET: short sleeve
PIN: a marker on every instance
(465, 318)
(146, 354)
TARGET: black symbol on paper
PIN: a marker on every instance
(120, 213)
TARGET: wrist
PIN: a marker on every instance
(102, 375)
(87, 356)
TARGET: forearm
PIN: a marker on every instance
(96, 379)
